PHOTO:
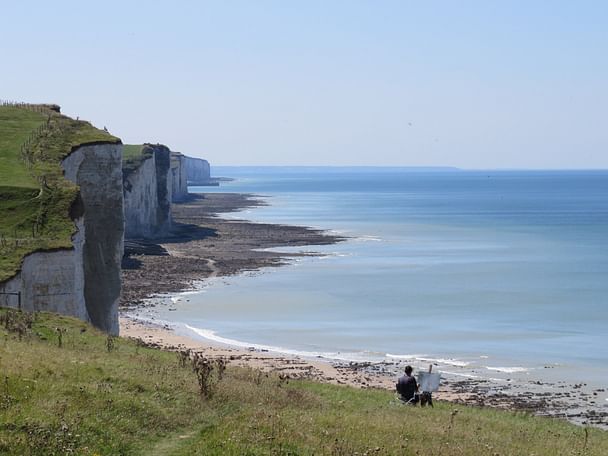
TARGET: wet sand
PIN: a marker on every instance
(204, 245)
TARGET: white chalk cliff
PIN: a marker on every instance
(83, 281)
(147, 195)
(178, 177)
(198, 171)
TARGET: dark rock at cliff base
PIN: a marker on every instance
(140, 247)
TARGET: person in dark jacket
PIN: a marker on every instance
(407, 387)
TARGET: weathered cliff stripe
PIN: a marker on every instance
(147, 194)
(179, 177)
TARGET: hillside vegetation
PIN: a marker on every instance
(35, 199)
(133, 155)
(131, 152)
(68, 389)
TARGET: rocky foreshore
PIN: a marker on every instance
(202, 244)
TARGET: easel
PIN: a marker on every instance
(428, 382)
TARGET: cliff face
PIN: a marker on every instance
(198, 170)
(84, 281)
(147, 195)
(97, 169)
(178, 177)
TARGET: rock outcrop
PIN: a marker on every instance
(84, 281)
(178, 177)
(198, 171)
(97, 169)
(147, 194)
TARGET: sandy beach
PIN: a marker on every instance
(205, 245)
(291, 366)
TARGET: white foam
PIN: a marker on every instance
(330, 255)
(231, 215)
(477, 377)
(198, 287)
(390, 355)
(213, 336)
(507, 370)
(338, 232)
(366, 238)
(450, 361)
(460, 374)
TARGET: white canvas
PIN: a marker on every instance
(428, 381)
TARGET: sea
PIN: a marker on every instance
(486, 274)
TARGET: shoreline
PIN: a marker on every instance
(570, 402)
(204, 245)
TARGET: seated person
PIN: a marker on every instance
(407, 387)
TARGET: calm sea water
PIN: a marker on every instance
(498, 272)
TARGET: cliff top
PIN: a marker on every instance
(133, 155)
(132, 152)
(35, 199)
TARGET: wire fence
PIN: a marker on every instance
(31, 153)
(29, 106)
(27, 147)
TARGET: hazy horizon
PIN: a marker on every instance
(473, 85)
(414, 167)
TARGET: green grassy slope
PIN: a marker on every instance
(16, 125)
(79, 397)
(131, 152)
(132, 157)
(35, 199)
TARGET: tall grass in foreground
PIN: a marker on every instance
(92, 395)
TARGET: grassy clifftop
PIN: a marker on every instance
(35, 199)
(68, 389)
(133, 155)
(131, 152)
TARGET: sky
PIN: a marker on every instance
(471, 84)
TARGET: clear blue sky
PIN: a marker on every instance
(473, 84)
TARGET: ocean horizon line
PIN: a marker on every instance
(408, 168)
